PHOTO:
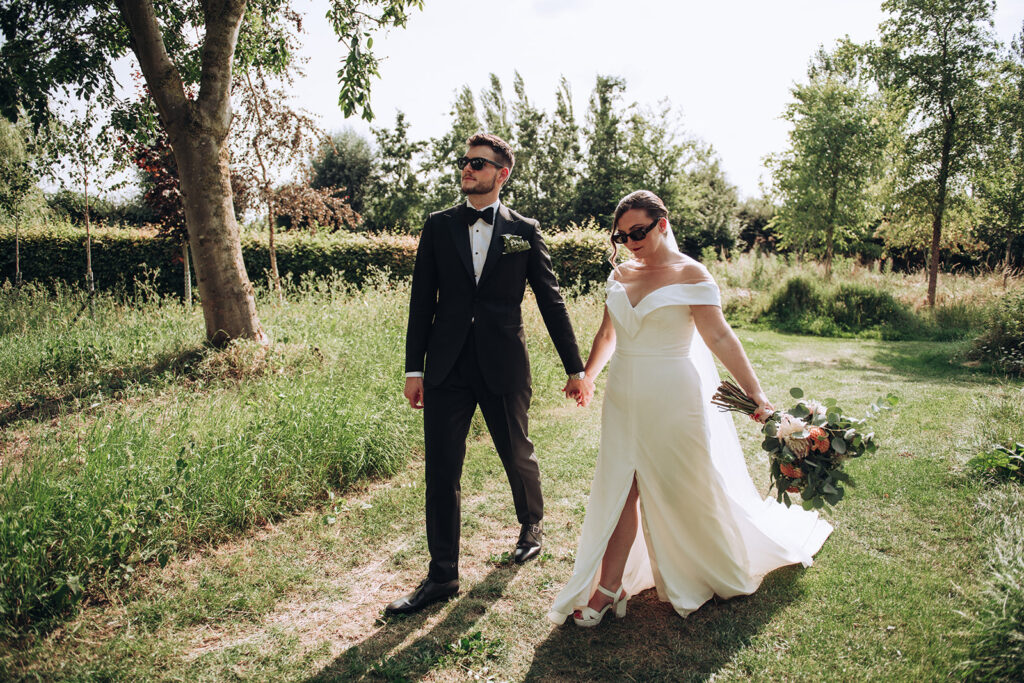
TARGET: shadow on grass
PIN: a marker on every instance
(652, 643)
(448, 642)
(179, 364)
(913, 361)
(926, 362)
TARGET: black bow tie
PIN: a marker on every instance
(472, 215)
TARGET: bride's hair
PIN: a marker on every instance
(641, 199)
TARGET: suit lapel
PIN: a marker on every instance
(460, 234)
(502, 225)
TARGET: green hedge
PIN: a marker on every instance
(121, 258)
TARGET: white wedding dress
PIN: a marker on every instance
(704, 528)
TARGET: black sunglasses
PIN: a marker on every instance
(476, 163)
(636, 235)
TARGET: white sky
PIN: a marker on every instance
(727, 66)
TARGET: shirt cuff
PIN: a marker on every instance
(415, 373)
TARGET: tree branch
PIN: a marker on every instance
(162, 76)
(223, 21)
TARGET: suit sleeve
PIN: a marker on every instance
(422, 302)
(552, 308)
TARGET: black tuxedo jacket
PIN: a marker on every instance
(446, 301)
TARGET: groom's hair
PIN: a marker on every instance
(500, 147)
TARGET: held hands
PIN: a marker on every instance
(580, 389)
(414, 392)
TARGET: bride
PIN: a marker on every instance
(672, 505)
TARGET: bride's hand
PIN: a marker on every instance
(764, 408)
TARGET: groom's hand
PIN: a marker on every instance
(414, 392)
(580, 389)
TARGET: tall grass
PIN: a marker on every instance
(223, 440)
(997, 619)
(790, 295)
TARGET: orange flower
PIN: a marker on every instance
(790, 471)
(793, 489)
(819, 439)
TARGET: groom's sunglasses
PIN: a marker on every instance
(636, 235)
(476, 163)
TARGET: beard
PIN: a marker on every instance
(479, 187)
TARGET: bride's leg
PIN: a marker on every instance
(615, 555)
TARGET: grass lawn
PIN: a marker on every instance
(297, 593)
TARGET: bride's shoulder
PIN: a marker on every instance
(624, 269)
(691, 272)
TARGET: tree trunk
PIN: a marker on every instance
(188, 275)
(198, 131)
(830, 226)
(274, 273)
(829, 247)
(229, 302)
(17, 249)
(88, 241)
(939, 211)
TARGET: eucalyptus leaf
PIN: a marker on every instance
(796, 392)
(838, 445)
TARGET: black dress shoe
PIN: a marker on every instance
(530, 540)
(427, 593)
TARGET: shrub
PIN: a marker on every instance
(1000, 463)
(71, 205)
(796, 306)
(1002, 344)
(580, 256)
(804, 306)
(856, 308)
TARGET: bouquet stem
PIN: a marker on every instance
(730, 398)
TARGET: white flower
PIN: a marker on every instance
(816, 408)
(790, 425)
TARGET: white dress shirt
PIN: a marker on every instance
(479, 242)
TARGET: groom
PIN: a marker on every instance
(465, 319)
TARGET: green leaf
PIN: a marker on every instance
(796, 392)
(838, 445)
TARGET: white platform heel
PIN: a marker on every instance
(590, 617)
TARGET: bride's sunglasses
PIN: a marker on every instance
(636, 235)
(476, 163)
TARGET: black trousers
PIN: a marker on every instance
(447, 411)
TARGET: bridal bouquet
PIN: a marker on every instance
(808, 444)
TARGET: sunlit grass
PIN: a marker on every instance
(905, 589)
